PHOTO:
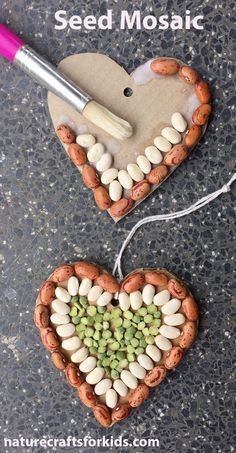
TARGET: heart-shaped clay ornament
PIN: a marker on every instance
(168, 106)
(115, 341)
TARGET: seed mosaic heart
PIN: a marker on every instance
(115, 341)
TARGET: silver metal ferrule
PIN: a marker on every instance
(47, 75)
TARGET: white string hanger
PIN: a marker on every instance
(172, 215)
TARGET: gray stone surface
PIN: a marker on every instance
(48, 217)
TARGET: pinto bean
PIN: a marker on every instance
(174, 357)
(102, 415)
(155, 376)
(108, 283)
(188, 334)
(133, 282)
(73, 375)
(84, 269)
(177, 289)
(139, 395)
(190, 308)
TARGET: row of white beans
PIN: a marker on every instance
(124, 179)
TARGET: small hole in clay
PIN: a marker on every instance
(128, 92)
(114, 302)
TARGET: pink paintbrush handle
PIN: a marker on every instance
(9, 43)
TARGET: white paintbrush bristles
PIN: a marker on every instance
(107, 121)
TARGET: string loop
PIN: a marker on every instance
(172, 215)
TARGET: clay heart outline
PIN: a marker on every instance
(113, 196)
(161, 280)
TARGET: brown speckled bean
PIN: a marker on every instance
(177, 289)
(158, 174)
(188, 74)
(165, 66)
(87, 395)
(47, 293)
(202, 91)
(133, 282)
(77, 154)
(201, 114)
(155, 376)
(108, 283)
(62, 273)
(59, 360)
(139, 395)
(156, 278)
(174, 357)
(188, 335)
(192, 136)
(102, 415)
(65, 134)
(121, 207)
(140, 190)
(90, 177)
(84, 269)
(102, 198)
(121, 412)
(190, 308)
(49, 339)
(73, 375)
(41, 316)
(176, 155)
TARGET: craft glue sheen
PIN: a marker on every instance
(128, 21)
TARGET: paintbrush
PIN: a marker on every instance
(21, 55)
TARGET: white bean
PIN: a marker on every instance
(73, 286)
(62, 294)
(85, 286)
(171, 135)
(136, 300)
(171, 307)
(144, 164)
(162, 297)
(125, 179)
(111, 398)
(88, 364)
(178, 122)
(95, 376)
(145, 361)
(71, 343)
(135, 173)
(153, 352)
(95, 152)
(104, 163)
(120, 387)
(65, 330)
(94, 293)
(115, 190)
(162, 144)
(148, 294)
(129, 379)
(85, 140)
(60, 307)
(102, 386)
(104, 299)
(163, 343)
(137, 370)
(109, 175)
(56, 318)
(80, 355)
(169, 332)
(124, 301)
(153, 154)
(174, 320)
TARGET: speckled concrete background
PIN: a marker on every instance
(48, 218)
